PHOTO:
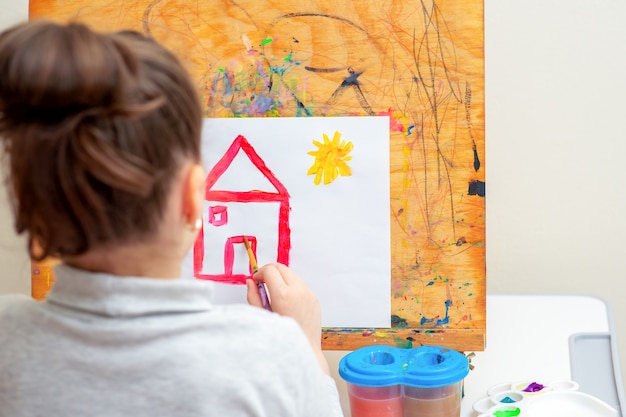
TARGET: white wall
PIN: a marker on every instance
(14, 262)
(556, 141)
(556, 144)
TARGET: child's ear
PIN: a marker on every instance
(193, 194)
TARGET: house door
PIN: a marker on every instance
(236, 261)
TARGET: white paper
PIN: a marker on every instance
(339, 232)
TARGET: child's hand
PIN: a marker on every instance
(291, 297)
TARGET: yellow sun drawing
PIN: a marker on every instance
(330, 159)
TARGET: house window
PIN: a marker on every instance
(218, 215)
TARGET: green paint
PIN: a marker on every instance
(221, 69)
(507, 413)
(470, 294)
(403, 343)
(266, 41)
(417, 301)
(398, 322)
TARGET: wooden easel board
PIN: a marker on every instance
(419, 62)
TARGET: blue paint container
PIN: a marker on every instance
(430, 378)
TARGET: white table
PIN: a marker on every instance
(529, 338)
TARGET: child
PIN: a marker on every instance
(102, 139)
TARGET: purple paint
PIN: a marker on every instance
(534, 387)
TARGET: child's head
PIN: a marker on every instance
(95, 127)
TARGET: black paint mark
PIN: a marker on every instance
(324, 70)
(476, 159)
(351, 81)
(468, 119)
(476, 188)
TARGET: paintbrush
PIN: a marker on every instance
(261, 286)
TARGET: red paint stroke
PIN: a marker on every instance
(394, 124)
(244, 196)
(229, 257)
(229, 252)
(236, 279)
(229, 261)
(280, 196)
(218, 215)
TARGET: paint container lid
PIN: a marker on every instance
(371, 366)
(422, 367)
(435, 366)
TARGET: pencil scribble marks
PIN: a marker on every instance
(330, 159)
(468, 119)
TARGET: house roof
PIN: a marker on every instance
(241, 144)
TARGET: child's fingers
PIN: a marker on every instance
(277, 275)
(286, 274)
(253, 296)
(271, 276)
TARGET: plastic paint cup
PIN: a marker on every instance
(375, 401)
(371, 378)
(434, 383)
(384, 381)
(433, 402)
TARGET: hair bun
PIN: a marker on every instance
(65, 71)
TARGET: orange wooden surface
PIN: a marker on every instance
(420, 62)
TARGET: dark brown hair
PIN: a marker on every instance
(95, 127)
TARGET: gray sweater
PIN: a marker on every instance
(108, 346)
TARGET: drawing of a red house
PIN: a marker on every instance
(231, 215)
